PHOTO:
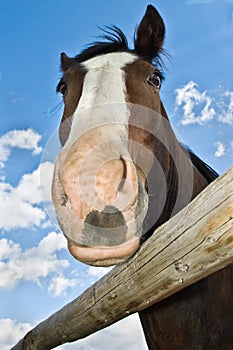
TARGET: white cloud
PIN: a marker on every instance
(32, 264)
(200, 107)
(16, 212)
(126, 334)
(196, 105)
(60, 284)
(98, 271)
(225, 106)
(19, 205)
(8, 249)
(11, 332)
(23, 139)
(220, 149)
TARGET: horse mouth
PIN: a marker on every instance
(104, 255)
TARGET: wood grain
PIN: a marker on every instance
(192, 245)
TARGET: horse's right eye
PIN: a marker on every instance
(62, 88)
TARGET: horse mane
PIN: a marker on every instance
(204, 169)
(114, 40)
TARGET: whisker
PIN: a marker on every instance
(51, 112)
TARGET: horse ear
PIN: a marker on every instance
(66, 62)
(150, 34)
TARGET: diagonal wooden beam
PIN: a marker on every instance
(195, 243)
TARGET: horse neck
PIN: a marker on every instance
(183, 179)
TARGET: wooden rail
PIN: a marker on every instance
(195, 243)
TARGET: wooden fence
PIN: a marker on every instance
(195, 243)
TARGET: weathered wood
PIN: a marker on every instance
(195, 243)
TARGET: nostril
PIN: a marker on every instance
(121, 185)
(106, 228)
(124, 174)
(146, 187)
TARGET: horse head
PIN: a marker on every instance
(117, 155)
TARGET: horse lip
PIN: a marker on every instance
(104, 255)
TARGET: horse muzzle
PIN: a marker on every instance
(100, 199)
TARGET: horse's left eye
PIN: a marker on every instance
(154, 80)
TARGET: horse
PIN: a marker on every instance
(122, 172)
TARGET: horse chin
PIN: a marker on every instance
(103, 255)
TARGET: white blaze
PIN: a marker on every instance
(105, 80)
(103, 86)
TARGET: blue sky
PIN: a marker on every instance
(37, 274)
